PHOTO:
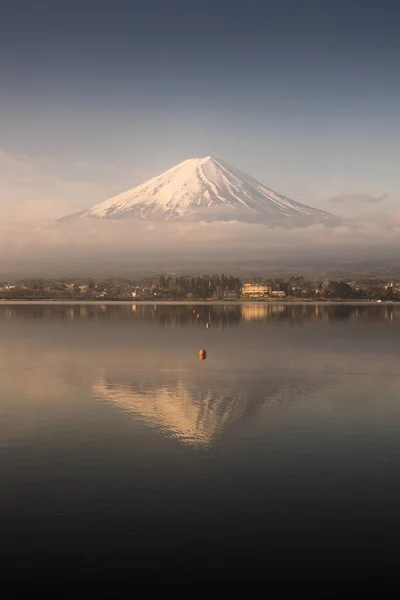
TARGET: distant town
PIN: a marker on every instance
(202, 287)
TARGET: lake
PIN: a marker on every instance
(121, 452)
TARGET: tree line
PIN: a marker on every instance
(201, 286)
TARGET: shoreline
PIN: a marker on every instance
(31, 301)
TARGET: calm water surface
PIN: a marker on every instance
(121, 451)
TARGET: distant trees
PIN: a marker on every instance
(192, 287)
(202, 286)
(339, 289)
(375, 291)
(38, 285)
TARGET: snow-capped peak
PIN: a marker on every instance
(204, 189)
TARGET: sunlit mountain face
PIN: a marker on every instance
(206, 189)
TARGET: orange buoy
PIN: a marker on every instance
(202, 354)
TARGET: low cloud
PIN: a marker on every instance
(357, 199)
(94, 246)
(360, 206)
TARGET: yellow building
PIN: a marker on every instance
(255, 290)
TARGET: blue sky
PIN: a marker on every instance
(96, 97)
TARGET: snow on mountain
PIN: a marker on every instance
(203, 189)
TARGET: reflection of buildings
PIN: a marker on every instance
(257, 312)
(254, 312)
(193, 413)
(266, 311)
(198, 315)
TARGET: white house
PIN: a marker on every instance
(255, 290)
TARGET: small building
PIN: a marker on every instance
(278, 294)
(255, 290)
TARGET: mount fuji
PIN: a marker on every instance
(205, 189)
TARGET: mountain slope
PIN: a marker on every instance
(203, 189)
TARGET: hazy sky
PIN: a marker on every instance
(97, 96)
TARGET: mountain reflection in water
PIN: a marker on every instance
(193, 412)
